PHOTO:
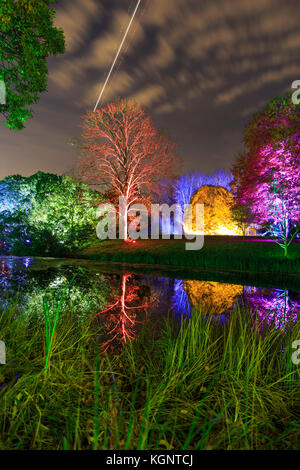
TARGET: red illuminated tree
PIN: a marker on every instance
(267, 178)
(122, 148)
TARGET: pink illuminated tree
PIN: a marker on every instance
(122, 149)
(267, 179)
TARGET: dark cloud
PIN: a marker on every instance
(201, 68)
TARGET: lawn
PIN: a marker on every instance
(220, 253)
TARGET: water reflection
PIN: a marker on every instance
(12, 274)
(180, 301)
(212, 296)
(121, 303)
(272, 307)
(17, 278)
(207, 298)
(120, 317)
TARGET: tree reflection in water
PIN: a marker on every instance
(12, 277)
(272, 307)
(125, 300)
(25, 288)
(207, 297)
(180, 301)
(120, 317)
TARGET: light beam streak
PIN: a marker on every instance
(117, 55)
(130, 41)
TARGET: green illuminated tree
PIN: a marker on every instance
(27, 38)
(64, 209)
(46, 214)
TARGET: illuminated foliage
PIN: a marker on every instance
(244, 219)
(122, 148)
(278, 122)
(267, 177)
(46, 214)
(218, 216)
(214, 296)
(186, 185)
(27, 38)
(15, 201)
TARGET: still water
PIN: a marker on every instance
(124, 298)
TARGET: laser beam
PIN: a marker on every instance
(117, 55)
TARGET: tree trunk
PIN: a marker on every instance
(125, 229)
(123, 216)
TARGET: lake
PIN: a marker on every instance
(124, 297)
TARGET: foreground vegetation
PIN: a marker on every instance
(196, 385)
(218, 253)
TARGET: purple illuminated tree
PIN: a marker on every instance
(268, 179)
(187, 184)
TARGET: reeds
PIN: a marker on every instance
(197, 385)
(50, 325)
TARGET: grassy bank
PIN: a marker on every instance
(228, 253)
(200, 385)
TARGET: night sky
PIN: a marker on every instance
(201, 68)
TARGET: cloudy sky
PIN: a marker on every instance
(201, 68)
